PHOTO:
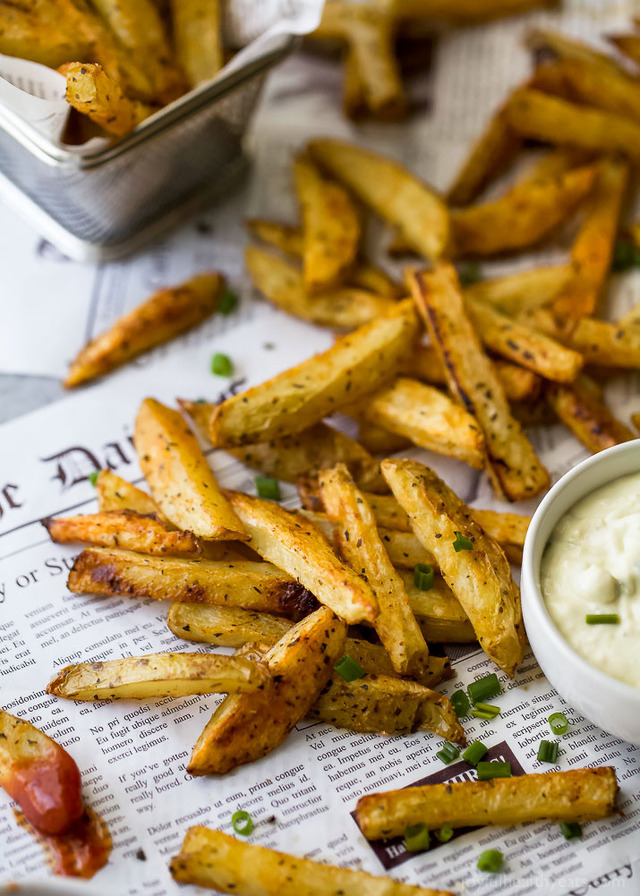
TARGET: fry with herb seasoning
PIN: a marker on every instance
(197, 33)
(93, 93)
(588, 418)
(123, 529)
(115, 493)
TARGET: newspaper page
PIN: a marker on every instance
(301, 797)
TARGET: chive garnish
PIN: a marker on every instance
(485, 711)
(267, 487)
(488, 770)
(423, 576)
(460, 703)
(548, 751)
(221, 365)
(445, 833)
(416, 838)
(448, 753)
(462, 543)
(93, 477)
(490, 860)
(242, 822)
(228, 302)
(558, 723)
(474, 752)
(484, 688)
(602, 619)
(571, 830)
(349, 669)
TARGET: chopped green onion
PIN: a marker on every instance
(228, 302)
(484, 688)
(474, 752)
(423, 576)
(488, 770)
(416, 837)
(348, 668)
(625, 256)
(571, 830)
(242, 822)
(558, 723)
(485, 711)
(221, 365)
(268, 488)
(448, 753)
(445, 833)
(469, 273)
(93, 477)
(462, 543)
(548, 751)
(490, 860)
(602, 619)
(460, 703)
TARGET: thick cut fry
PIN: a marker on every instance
(480, 577)
(523, 345)
(181, 481)
(159, 675)
(629, 44)
(92, 92)
(123, 529)
(380, 441)
(391, 191)
(522, 291)
(330, 227)
(513, 465)
(553, 120)
(165, 315)
(197, 32)
(303, 395)
(439, 614)
(426, 416)
(360, 545)
(607, 344)
(296, 545)
(344, 308)
(588, 418)
(246, 727)
(353, 95)
(526, 214)
(216, 860)
(584, 794)
(115, 493)
(27, 34)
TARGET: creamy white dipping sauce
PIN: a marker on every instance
(591, 565)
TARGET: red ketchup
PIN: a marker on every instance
(47, 789)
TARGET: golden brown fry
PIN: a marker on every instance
(523, 216)
(369, 277)
(464, 12)
(216, 860)
(479, 576)
(607, 344)
(629, 44)
(391, 191)
(513, 465)
(115, 493)
(285, 237)
(380, 441)
(123, 529)
(359, 544)
(301, 664)
(296, 545)
(180, 479)
(162, 317)
(353, 95)
(159, 675)
(438, 612)
(584, 794)
(303, 395)
(47, 39)
(519, 292)
(508, 529)
(588, 418)
(197, 33)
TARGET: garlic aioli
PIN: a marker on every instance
(591, 565)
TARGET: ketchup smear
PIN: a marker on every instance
(80, 851)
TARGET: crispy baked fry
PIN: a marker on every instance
(301, 664)
(391, 191)
(296, 545)
(159, 675)
(27, 34)
(165, 315)
(584, 794)
(216, 860)
(513, 465)
(180, 479)
(303, 395)
(607, 344)
(519, 292)
(438, 612)
(123, 529)
(353, 96)
(380, 441)
(629, 44)
(197, 33)
(115, 493)
(480, 578)
(93, 93)
(588, 418)
(285, 237)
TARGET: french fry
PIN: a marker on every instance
(159, 675)
(553, 120)
(513, 465)
(360, 545)
(285, 237)
(588, 418)
(296, 545)
(523, 216)
(344, 308)
(391, 191)
(179, 476)
(299, 397)
(465, 12)
(197, 32)
(123, 529)
(165, 315)
(607, 344)
(438, 613)
(330, 227)
(380, 441)
(426, 416)
(478, 576)
(22, 34)
(115, 493)
(629, 44)
(216, 860)
(514, 293)
(373, 279)
(300, 664)
(584, 794)
(353, 95)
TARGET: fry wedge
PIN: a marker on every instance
(296, 545)
(165, 315)
(607, 344)
(438, 613)
(216, 860)
(299, 397)
(179, 476)
(588, 418)
(513, 465)
(519, 292)
(300, 664)
(123, 529)
(197, 33)
(480, 576)
(380, 441)
(353, 97)
(21, 35)
(629, 44)
(391, 191)
(584, 794)
(92, 92)
(115, 493)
